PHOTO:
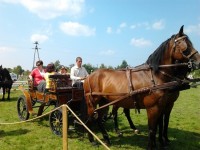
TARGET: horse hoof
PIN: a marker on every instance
(136, 131)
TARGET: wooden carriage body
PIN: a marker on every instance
(60, 92)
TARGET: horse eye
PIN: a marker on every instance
(186, 52)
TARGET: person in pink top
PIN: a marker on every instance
(37, 75)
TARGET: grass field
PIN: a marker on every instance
(184, 129)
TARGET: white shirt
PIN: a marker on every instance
(77, 73)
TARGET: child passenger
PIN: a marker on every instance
(50, 70)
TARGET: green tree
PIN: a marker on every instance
(57, 64)
(123, 65)
(102, 66)
(9, 69)
(89, 68)
(18, 70)
(110, 67)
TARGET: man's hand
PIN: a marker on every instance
(82, 78)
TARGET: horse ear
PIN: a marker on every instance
(181, 31)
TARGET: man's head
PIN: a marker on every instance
(79, 61)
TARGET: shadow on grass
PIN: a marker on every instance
(13, 133)
(179, 139)
(12, 99)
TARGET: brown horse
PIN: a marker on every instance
(149, 86)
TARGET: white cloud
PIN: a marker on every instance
(140, 42)
(122, 25)
(133, 26)
(77, 29)
(109, 30)
(48, 9)
(4, 49)
(193, 29)
(10, 1)
(107, 53)
(39, 37)
(159, 25)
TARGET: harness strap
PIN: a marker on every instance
(142, 90)
(128, 75)
(180, 38)
(191, 54)
(173, 65)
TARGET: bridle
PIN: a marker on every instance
(187, 54)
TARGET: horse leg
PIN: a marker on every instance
(103, 130)
(115, 116)
(132, 126)
(89, 123)
(160, 124)
(163, 126)
(8, 98)
(166, 123)
(4, 91)
(153, 116)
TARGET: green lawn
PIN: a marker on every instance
(184, 129)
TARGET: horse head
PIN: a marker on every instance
(184, 51)
(179, 49)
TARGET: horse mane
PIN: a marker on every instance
(155, 58)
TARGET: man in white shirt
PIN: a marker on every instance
(78, 73)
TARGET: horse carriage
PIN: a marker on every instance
(60, 92)
(154, 86)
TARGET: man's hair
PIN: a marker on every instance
(78, 58)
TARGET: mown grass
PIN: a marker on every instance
(184, 129)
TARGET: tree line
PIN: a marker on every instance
(89, 67)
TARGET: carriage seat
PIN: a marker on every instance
(60, 83)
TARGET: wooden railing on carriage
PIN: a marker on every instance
(62, 84)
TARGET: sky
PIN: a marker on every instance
(100, 31)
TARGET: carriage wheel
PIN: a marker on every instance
(55, 121)
(22, 108)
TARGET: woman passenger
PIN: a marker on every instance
(37, 75)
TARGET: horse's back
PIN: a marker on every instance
(106, 80)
